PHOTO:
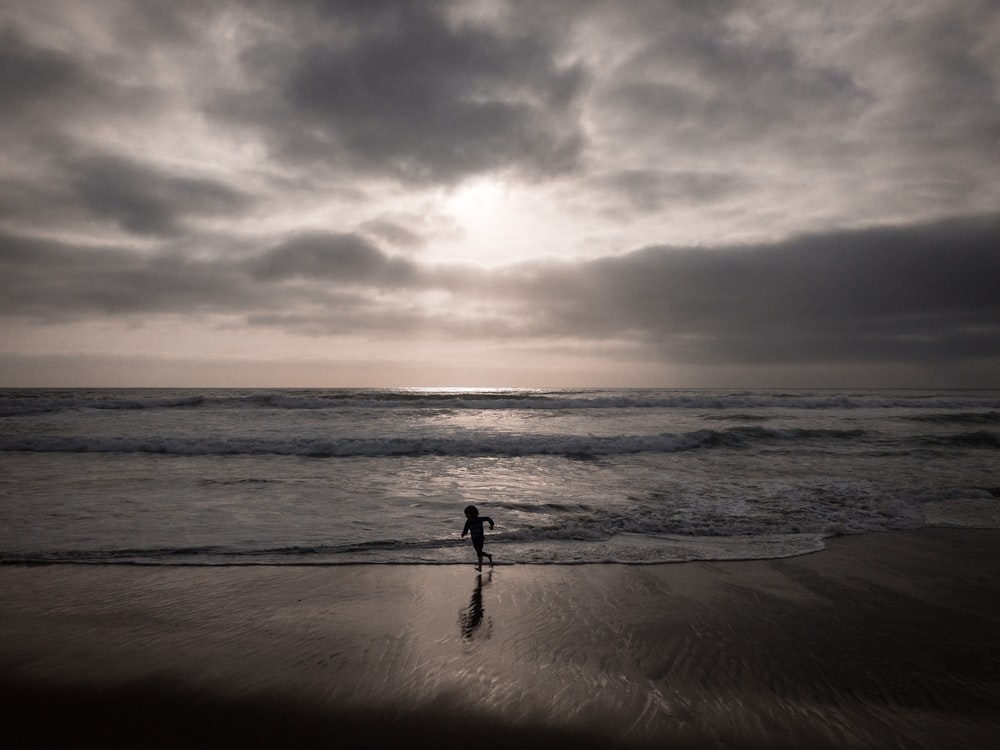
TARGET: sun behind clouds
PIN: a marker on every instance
(476, 201)
(498, 221)
(479, 209)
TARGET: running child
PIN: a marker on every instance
(474, 525)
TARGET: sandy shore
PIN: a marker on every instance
(886, 640)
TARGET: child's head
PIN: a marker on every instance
(471, 511)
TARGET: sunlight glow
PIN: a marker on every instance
(487, 220)
(475, 201)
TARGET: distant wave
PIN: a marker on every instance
(13, 405)
(980, 439)
(989, 417)
(17, 402)
(476, 444)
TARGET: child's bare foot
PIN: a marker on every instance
(491, 558)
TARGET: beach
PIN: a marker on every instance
(880, 640)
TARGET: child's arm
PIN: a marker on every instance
(465, 530)
(490, 520)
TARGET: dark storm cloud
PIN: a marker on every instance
(917, 294)
(413, 95)
(147, 200)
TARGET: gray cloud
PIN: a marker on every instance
(412, 95)
(392, 232)
(915, 294)
(56, 95)
(872, 111)
(147, 200)
(316, 283)
(343, 258)
(886, 294)
(282, 163)
(649, 190)
(30, 74)
(47, 281)
(707, 83)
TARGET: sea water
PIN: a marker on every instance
(342, 476)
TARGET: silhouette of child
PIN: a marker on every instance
(474, 525)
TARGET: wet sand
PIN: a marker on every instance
(883, 640)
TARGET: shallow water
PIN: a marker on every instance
(569, 476)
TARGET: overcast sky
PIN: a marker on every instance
(683, 193)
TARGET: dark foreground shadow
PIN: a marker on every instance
(155, 715)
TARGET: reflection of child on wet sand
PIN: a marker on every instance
(474, 524)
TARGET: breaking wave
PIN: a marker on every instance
(475, 444)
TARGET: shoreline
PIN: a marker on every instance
(879, 639)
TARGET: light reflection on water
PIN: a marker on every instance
(315, 476)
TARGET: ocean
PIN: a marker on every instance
(345, 476)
